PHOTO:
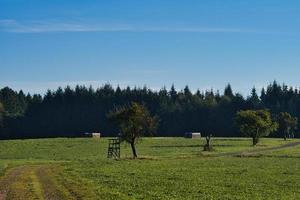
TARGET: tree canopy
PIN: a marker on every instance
(287, 124)
(134, 121)
(255, 123)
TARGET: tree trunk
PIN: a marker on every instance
(256, 137)
(133, 150)
(285, 134)
(254, 141)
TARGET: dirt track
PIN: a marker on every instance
(251, 152)
(33, 182)
(8, 180)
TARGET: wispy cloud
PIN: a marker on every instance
(149, 71)
(11, 25)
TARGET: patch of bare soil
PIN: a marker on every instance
(34, 182)
(6, 182)
(51, 189)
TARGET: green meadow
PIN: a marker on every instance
(167, 168)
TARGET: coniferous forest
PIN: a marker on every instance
(70, 112)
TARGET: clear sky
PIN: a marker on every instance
(202, 43)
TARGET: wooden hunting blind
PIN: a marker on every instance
(113, 148)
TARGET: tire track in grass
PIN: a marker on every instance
(8, 179)
(19, 183)
(25, 185)
(255, 151)
(52, 189)
(34, 182)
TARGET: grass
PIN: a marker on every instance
(168, 168)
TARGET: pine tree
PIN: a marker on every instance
(1, 116)
(173, 93)
(228, 91)
(254, 99)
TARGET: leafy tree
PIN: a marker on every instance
(134, 121)
(255, 124)
(286, 123)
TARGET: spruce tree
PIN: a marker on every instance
(254, 99)
(228, 91)
(173, 93)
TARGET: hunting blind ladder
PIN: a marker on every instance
(113, 148)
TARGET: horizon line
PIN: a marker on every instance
(41, 87)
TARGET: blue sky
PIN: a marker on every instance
(201, 43)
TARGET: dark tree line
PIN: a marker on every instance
(72, 112)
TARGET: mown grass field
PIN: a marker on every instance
(168, 168)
